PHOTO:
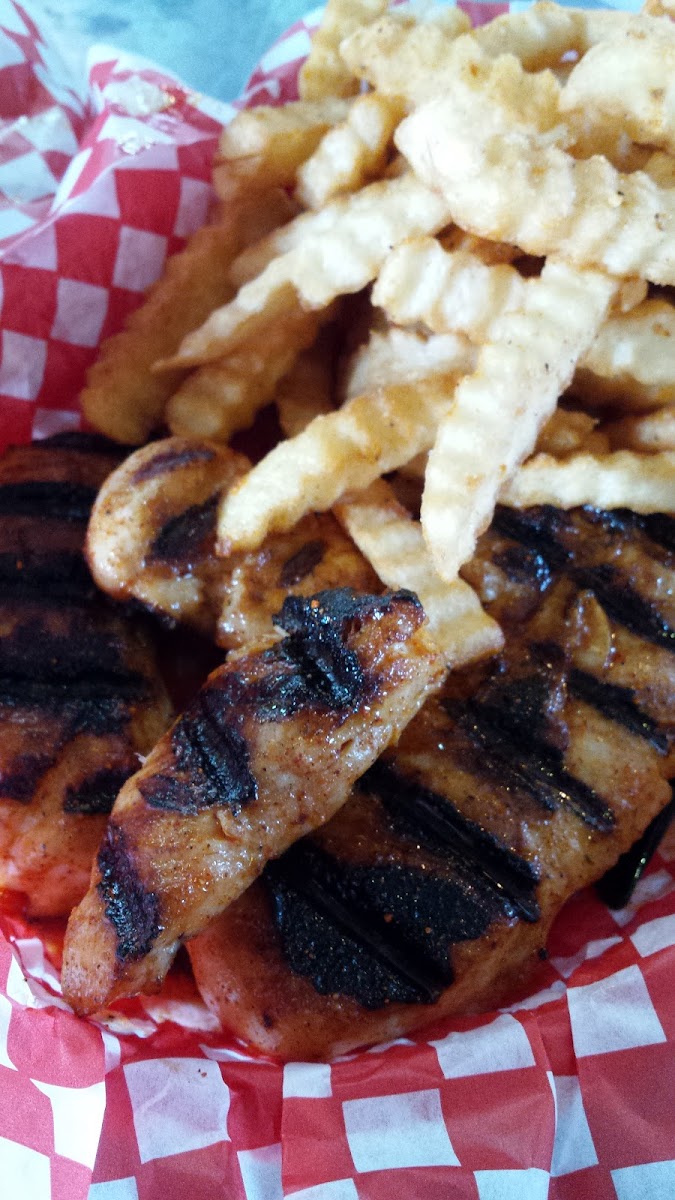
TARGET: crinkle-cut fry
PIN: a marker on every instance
(565, 432)
(223, 397)
(622, 392)
(352, 153)
(123, 398)
(349, 240)
(403, 356)
(403, 53)
(456, 291)
(307, 391)
(417, 62)
(393, 543)
(659, 8)
(448, 291)
(324, 72)
(343, 451)
(648, 433)
(265, 145)
(640, 343)
(627, 82)
(642, 482)
(542, 34)
(523, 367)
(509, 182)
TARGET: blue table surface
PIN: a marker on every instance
(211, 44)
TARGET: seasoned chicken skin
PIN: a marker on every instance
(433, 890)
(269, 750)
(80, 694)
(152, 537)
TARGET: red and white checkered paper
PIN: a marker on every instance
(568, 1094)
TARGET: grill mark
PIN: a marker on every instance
(54, 580)
(133, 910)
(171, 460)
(521, 564)
(86, 443)
(535, 768)
(661, 529)
(316, 625)
(302, 563)
(512, 879)
(311, 667)
(213, 753)
(658, 527)
(32, 651)
(538, 528)
(186, 536)
(98, 793)
(48, 500)
(312, 919)
(617, 704)
(617, 885)
(625, 605)
(23, 776)
(98, 705)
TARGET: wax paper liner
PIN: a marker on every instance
(566, 1094)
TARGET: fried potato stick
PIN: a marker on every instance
(123, 398)
(324, 72)
(348, 242)
(649, 433)
(644, 483)
(508, 181)
(217, 400)
(541, 35)
(631, 363)
(392, 541)
(264, 146)
(306, 391)
(352, 153)
(370, 435)
(403, 54)
(628, 83)
(526, 363)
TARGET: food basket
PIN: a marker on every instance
(567, 1093)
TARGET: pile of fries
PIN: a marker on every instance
(448, 264)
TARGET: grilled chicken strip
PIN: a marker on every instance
(432, 892)
(152, 537)
(80, 694)
(269, 750)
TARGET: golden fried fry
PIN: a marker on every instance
(404, 356)
(455, 291)
(642, 482)
(307, 390)
(123, 398)
(522, 368)
(506, 180)
(349, 240)
(632, 360)
(648, 433)
(404, 54)
(325, 73)
(345, 450)
(565, 432)
(351, 154)
(223, 397)
(264, 146)
(628, 83)
(542, 34)
(393, 543)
